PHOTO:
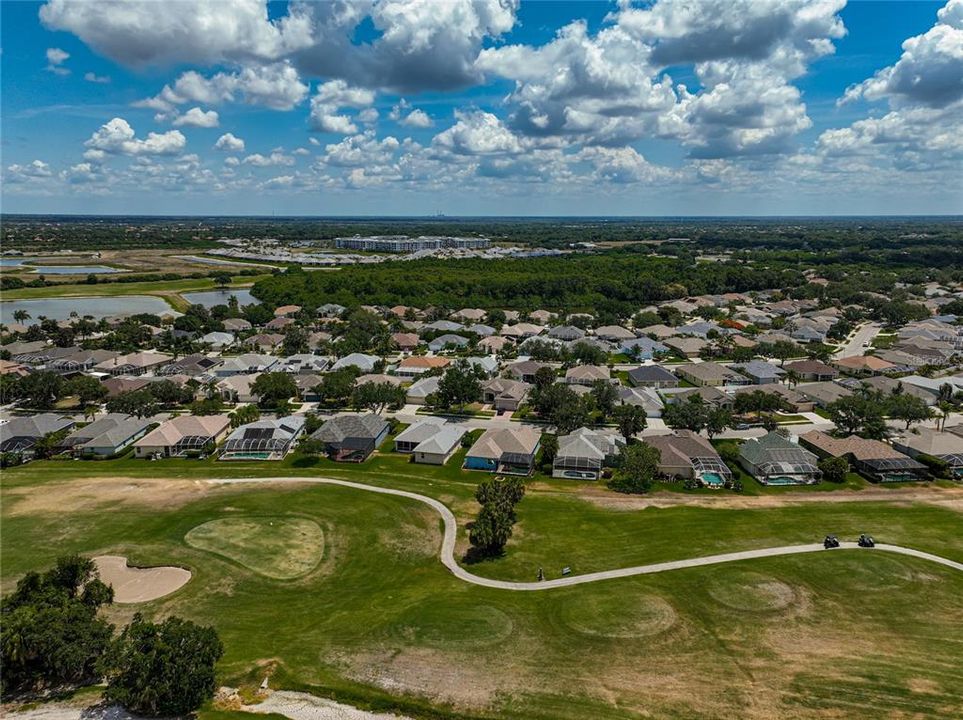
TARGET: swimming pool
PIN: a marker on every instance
(782, 480)
(713, 479)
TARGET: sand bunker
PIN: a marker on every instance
(135, 585)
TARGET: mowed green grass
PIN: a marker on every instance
(380, 623)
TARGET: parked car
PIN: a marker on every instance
(830, 542)
(866, 541)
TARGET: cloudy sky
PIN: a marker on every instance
(400, 107)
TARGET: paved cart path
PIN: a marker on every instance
(447, 554)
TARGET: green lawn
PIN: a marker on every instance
(380, 623)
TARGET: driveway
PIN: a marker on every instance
(854, 345)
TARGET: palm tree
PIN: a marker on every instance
(90, 412)
(21, 315)
(792, 378)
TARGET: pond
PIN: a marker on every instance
(28, 264)
(210, 298)
(73, 269)
(60, 308)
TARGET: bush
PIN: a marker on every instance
(834, 469)
(162, 669)
(51, 634)
(937, 466)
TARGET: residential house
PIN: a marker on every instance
(582, 454)
(20, 434)
(586, 374)
(486, 364)
(419, 390)
(823, 393)
(542, 317)
(107, 435)
(139, 363)
(405, 342)
(8, 367)
(447, 342)
(888, 385)
(331, 310)
(306, 385)
(417, 365)
(378, 379)
(510, 451)
(302, 364)
(645, 397)
(82, 361)
(566, 333)
(773, 459)
(707, 393)
(469, 314)
(237, 388)
(525, 370)
(352, 438)
(614, 333)
(236, 325)
(812, 370)
(873, 459)
(480, 330)
(364, 363)
(642, 348)
(710, 373)
(862, 365)
(287, 310)
(504, 394)
(653, 376)
(278, 323)
(269, 439)
(217, 340)
(183, 435)
(193, 365)
(246, 364)
(794, 400)
(760, 372)
(686, 346)
(494, 344)
(521, 330)
(945, 446)
(443, 326)
(431, 441)
(688, 455)
(265, 342)
(117, 385)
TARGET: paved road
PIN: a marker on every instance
(854, 346)
(447, 553)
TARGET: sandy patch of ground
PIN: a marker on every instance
(301, 706)
(951, 498)
(135, 585)
(98, 492)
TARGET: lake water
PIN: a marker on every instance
(210, 298)
(58, 269)
(60, 308)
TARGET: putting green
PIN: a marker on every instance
(617, 616)
(750, 591)
(438, 624)
(278, 547)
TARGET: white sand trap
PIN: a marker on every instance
(301, 706)
(135, 585)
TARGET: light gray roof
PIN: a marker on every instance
(33, 427)
(442, 442)
(337, 429)
(108, 431)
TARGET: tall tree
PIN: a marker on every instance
(638, 469)
(631, 420)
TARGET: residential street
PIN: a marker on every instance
(854, 346)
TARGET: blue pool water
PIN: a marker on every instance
(714, 479)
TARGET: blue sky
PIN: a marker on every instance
(482, 107)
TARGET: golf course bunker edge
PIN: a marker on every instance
(137, 585)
